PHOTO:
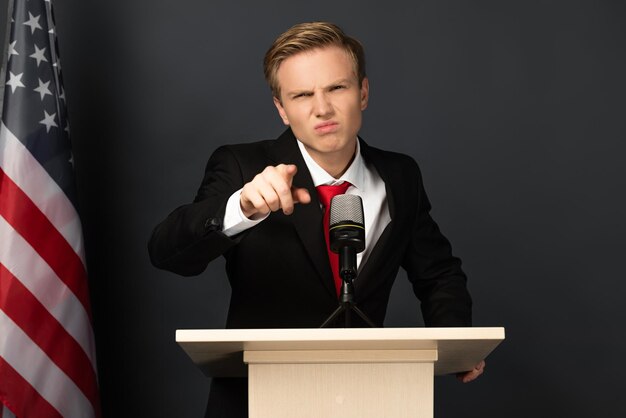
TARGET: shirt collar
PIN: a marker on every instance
(354, 174)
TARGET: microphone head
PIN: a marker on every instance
(346, 208)
(346, 224)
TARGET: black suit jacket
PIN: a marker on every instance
(279, 270)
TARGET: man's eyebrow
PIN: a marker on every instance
(340, 81)
(296, 92)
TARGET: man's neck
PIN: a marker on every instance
(334, 164)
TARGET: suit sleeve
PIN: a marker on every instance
(436, 275)
(190, 237)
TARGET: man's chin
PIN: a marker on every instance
(327, 147)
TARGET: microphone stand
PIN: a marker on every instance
(346, 296)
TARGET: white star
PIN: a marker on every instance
(62, 95)
(12, 50)
(48, 120)
(52, 27)
(71, 160)
(57, 64)
(33, 22)
(43, 89)
(39, 55)
(15, 81)
(67, 129)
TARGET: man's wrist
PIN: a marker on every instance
(235, 221)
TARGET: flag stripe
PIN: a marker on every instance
(32, 317)
(20, 211)
(26, 172)
(42, 374)
(23, 262)
(24, 398)
(6, 412)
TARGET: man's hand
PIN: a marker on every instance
(271, 190)
(466, 377)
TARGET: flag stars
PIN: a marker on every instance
(15, 81)
(43, 89)
(33, 22)
(39, 55)
(12, 50)
(52, 27)
(48, 120)
(57, 65)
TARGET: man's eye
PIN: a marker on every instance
(297, 96)
(338, 87)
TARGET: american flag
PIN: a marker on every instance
(47, 353)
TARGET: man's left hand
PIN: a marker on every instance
(467, 377)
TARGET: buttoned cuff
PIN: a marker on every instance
(235, 221)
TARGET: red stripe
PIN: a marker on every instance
(26, 218)
(34, 319)
(21, 397)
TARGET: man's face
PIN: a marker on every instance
(322, 101)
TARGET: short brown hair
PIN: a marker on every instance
(305, 37)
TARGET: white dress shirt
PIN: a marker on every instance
(365, 182)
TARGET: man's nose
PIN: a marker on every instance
(323, 106)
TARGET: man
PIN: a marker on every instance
(258, 206)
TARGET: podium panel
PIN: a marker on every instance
(339, 372)
(341, 383)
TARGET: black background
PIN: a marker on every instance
(515, 112)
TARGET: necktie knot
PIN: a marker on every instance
(326, 192)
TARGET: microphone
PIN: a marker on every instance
(346, 232)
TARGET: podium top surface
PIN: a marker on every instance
(219, 352)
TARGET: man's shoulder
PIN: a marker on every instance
(252, 157)
(383, 156)
(244, 152)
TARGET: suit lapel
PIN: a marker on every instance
(307, 219)
(387, 174)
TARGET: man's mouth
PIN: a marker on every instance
(326, 127)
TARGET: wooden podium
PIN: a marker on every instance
(339, 372)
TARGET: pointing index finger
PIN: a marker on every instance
(288, 171)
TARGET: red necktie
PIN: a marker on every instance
(326, 193)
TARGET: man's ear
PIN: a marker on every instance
(281, 111)
(365, 93)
